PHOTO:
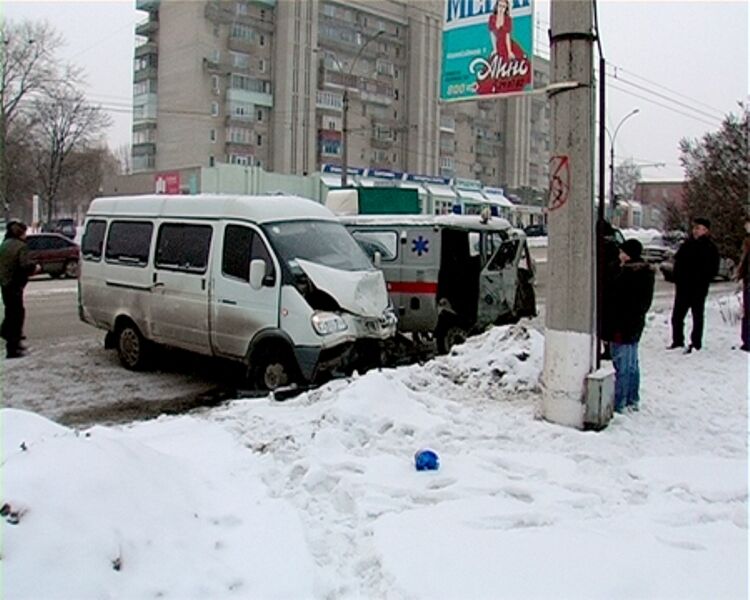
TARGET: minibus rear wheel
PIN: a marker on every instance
(132, 347)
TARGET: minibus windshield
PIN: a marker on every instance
(326, 243)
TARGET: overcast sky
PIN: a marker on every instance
(683, 64)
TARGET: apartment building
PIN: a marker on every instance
(265, 82)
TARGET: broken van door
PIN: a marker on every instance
(498, 279)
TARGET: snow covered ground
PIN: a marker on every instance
(317, 497)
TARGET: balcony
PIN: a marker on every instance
(147, 73)
(147, 5)
(145, 149)
(215, 13)
(258, 98)
(147, 48)
(147, 28)
(212, 66)
(447, 124)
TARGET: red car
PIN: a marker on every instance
(56, 254)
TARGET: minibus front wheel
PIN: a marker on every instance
(273, 368)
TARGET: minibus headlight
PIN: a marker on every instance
(325, 323)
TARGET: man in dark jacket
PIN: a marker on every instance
(695, 265)
(633, 291)
(15, 269)
(743, 276)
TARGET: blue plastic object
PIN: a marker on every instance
(426, 460)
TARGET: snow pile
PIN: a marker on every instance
(317, 497)
(102, 514)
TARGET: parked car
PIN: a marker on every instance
(66, 227)
(535, 230)
(657, 251)
(726, 268)
(57, 255)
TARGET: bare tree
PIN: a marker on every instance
(627, 176)
(27, 66)
(65, 122)
(124, 155)
(85, 170)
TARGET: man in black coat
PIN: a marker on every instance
(632, 293)
(695, 265)
(15, 269)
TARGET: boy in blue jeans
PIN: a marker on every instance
(633, 291)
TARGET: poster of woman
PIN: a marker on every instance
(487, 47)
(508, 68)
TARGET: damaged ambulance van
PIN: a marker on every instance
(276, 282)
(450, 276)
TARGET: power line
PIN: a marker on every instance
(684, 114)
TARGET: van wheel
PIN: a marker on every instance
(71, 269)
(449, 334)
(132, 348)
(274, 369)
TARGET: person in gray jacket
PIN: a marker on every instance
(15, 269)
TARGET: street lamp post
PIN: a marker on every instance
(612, 160)
(345, 114)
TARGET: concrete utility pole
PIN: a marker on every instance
(570, 341)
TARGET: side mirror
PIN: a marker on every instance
(377, 258)
(257, 273)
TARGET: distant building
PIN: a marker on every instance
(655, 197)
(261, 83)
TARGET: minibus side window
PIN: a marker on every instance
(129, 243)
(93, 240)
(235, 258)
(183, 247)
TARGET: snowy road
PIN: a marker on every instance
(69, 377)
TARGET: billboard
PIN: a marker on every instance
(487, 48)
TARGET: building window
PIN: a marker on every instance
(259, 140)
(212, 136)
(215, 84)
(239, 135)
(240, 159)
(249, 84)
(242, 31)
(330, 147)
(330, 100)
(211, 161)
(329, 10)
(260, 115)
(240, 59)
(262, 40)
(262, 65)
(241, 9)
(332, 124)
(395, 94)
(242, 111)
(214, 109)
(384, 67)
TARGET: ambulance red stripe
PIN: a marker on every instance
(413, 287)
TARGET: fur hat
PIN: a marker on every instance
(702, 221)
(632, 248)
